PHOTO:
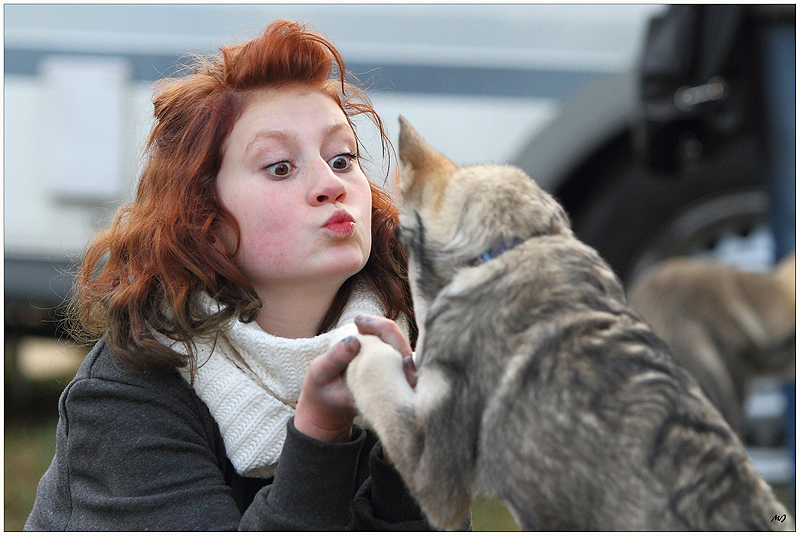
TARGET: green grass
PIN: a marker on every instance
(491, 514)
(28, 452)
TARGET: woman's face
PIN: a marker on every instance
(290, 177)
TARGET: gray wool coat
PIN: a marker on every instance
(140, 451)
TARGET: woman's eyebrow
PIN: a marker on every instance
(335, 129)
(266, 135)
(331, 131)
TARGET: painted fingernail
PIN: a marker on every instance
(350, 342)
(410, 371)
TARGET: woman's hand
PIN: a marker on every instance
(389, 332)
(326, 408)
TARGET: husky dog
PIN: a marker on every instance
(536, 382)
(721, 324)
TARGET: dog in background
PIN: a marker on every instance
(536, 382)
(721, 324)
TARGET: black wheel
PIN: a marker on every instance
(730, 226)
(636, 217)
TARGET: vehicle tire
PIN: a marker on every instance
(636, 217)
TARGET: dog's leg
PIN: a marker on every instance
(383, 395)
(396, 412)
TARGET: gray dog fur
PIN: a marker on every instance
(536, 382)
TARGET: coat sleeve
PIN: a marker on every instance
(132, 458)
(140, 453)
(322, 486)
(383, 502)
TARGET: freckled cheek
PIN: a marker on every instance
(267, 238)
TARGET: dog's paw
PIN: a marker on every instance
(376, 363)
(342, 333)
(377, 379)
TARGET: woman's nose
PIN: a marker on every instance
(327, 186)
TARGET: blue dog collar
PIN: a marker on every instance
(496, 252)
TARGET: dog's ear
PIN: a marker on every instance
(420, 164)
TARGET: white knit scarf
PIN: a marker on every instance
(250, 381)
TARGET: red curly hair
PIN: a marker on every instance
(143, 275)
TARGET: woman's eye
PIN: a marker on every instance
(281, 169)
(341, 162)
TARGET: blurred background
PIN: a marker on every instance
(554, 89)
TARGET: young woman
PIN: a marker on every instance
(213, 398)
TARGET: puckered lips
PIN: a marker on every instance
(340, 225)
